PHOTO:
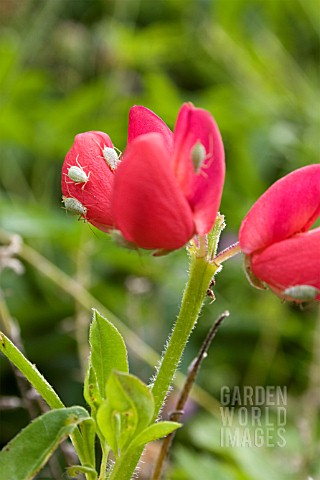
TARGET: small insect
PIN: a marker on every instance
(112, 157)
(73, 206)
(77, 174)
(210, 292)
(302, 293)
(198, 157)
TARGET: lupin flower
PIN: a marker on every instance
(168, 186)
(87, 178)
(281, 250)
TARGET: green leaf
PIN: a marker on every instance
(154, 432)
(88, 431)
(91, 391)
(30, 372)
(213, 236)
(108, 350)
(75, 470)
(27, 453)
(140, 396)
(126, 412)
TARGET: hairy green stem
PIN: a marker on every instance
(227, 253)
(184, 394)
(104, 460)
(201, 271)
(200, 275)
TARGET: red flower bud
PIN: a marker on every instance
(275, 236)
(87, 177)
(169, 185)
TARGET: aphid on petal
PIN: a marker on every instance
(301, 293)
(198, 156)
(169, 186)
(111, 157)
(73, 206)
(92, 182)
(78, 175)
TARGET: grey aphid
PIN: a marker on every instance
(73, 205)
(77, 174)
(303, 293)
(111, 157)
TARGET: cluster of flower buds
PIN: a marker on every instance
(166, 188)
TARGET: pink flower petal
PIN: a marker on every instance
(292, 262)
(289, 206)
(203, 189)
(148, 206)
(142, 120)
(95, 194)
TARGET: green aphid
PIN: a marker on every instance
(198, 156)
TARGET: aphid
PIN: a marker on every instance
(77, 174)
(210, 292)
(112, 157)
(302, 293)
(198, 157)
(73, 206)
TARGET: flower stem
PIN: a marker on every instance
(183, 397)
(227, 253)
(201, 271)
(104, 461)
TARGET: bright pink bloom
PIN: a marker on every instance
(275, 235)
(169, 185)
(87, 159)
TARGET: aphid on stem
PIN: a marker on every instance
(77, 174)
(210, 292)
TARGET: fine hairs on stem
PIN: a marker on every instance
(178, 412)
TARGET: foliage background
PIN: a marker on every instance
(67, 66)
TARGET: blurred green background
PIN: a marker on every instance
(67, 66)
